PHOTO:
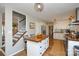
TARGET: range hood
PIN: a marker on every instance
(76, 22)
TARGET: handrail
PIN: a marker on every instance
(22, 20)
(19, 38)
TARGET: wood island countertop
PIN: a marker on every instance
(71, 37)
(37, 38)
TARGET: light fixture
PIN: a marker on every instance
(38, 6)
(71, 17)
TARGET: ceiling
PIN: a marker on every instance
(50, 11)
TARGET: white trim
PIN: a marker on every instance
(16, 52)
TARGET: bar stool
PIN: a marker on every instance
(76, 50)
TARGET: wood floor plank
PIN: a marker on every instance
(56, 49)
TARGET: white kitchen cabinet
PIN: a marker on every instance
(37, 48)
(58, 36)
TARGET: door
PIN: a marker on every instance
(51, 32)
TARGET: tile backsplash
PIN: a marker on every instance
(74, 28)
(59, 30)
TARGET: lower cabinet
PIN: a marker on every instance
(37, 48)
(58, 36)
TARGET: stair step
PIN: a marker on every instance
(3, 48)
(1, 54)
(17, 37)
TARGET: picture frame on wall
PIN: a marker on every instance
(32, 25)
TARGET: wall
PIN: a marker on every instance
(61, 24)
(8, 31)
(62, 20)
(38, 25)
(0, 30)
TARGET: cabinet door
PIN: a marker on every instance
(32, 48)
(58, 35)
(37, 49)
(42, 46)
(47, 43)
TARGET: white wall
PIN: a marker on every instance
(62, 20)
(61, 24)
(38, 25)
(0, 30)
(8, 31)
(29, 31)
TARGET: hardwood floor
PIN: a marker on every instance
(56, 48)
(22, 53)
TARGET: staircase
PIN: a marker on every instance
(18, 36)
(2, 53)
(2, 49)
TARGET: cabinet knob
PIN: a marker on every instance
(40, 46)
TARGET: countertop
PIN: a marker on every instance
(71, 37)
(37, 38)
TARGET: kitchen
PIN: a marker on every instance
(72, 36)
(56, 37)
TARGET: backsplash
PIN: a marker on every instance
(59, 30)
(74, 28)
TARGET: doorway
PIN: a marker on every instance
(51, 32)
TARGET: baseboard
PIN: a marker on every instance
(16, 52)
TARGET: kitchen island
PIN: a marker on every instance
(37, 45)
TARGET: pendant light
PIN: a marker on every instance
(38, 7)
